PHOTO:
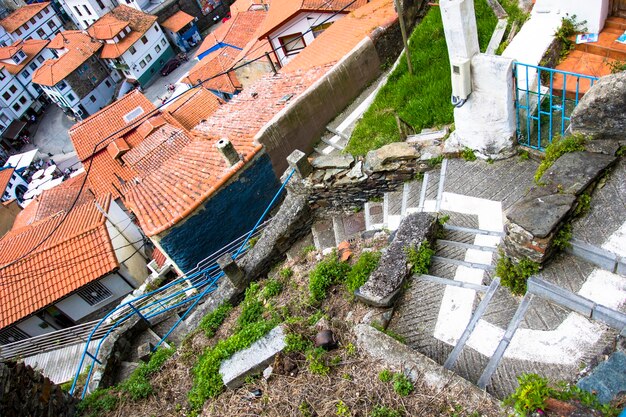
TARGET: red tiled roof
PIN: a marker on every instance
(193, 106)
(80, 48)
(109, 122)
(237, 31)
(283, 10)
(216, 63)
(31, 48)
(177, 21)
(5, 177)
(106, 27)
(164, 143)
(76, 253)
(158, 257)
(245, 5)
(346, 33)
(22, 15)
(27, 215)
(6, 52)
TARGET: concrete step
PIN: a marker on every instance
(374, 217)
(606, 46)
(452, 282)
(458, 262)
(323, 235)
(474, 231)
(465, 245)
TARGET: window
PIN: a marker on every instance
(156, 28)
(6, 96)
(100, 4)
(71, 97)
(33, 66)
(148, 58)
(157, 49)
(26, 26)
(25, 74)
(51, 24)
(163, 42)
(39, 15)
(41, 33)
(94, 79)
(13, 89)
(61, 85)
(40, 59)
(21, 54)
(78, 10)
(2, 76)
(292, 44)
(144, 40)
(4, 119)
(108, 84)
(92, 98)
(18, 32)
(86, 10)
(16, 107)
(94, 293)
(32, 20)
(23, 100)
(132, 50)
(142, 63)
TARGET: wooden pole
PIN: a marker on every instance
(403, 31)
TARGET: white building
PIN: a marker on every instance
(12, 185)
(133, 43)
(78, 81)
(84, 13)
(33, 21)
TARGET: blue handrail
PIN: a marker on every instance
(200, 279)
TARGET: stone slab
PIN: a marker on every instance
(252, 360)
(541, 215)
(604, 146)
(388, 157)
(340, 161)
(608, 379)
(573, 172)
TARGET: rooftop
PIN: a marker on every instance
(206, 72)
(283, 10)
(193, 106)
(177, 21)
(22, 15)
(76, 253)
(6, 52)
(31, 48)
(237, 32)
(80, 47)
(5, 177)
(113, 22)
(245, 5)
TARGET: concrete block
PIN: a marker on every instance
(233, 272)
(252, 360)
(298, 160)
(144, 351)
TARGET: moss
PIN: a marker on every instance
(556, 149)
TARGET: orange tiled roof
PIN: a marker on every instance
(27, 215)
(245, 5)
(5, 177)
(340, 38)
(22, 15)
(76, 253)
(164, 143)
(237, 31)
(177, 21)
(283, 10)
(109, 121)
(6, 52)
(31, 48)
(216, 63)
(80, 48)
(193, 106)
(172, 192)
(138, 21)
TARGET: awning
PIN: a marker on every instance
(14, 130)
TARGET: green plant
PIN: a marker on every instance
(524, 155)
(361, 270)
(385, 375)
(97, 402)
(252, 241)
(389, 332)
(530, 394)
(420, 257)
(568, 392)
(383, 411)
(308, 249)
(442, 220)
(271, 289)
(437, 160)
(317, 364)
(305, 409)
(286, 273)
(326, 273)
(402, 385)
(468, 154)
(342, 410)
(514, 276)
(138, 385)
(617, 66)
(252, 308)
(350, 349)
(212, 321)
(558, 147)
(584, 205)
(563, 236)
(569, 27)
(621, 151)
(297, 343)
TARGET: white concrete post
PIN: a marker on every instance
(459, 25)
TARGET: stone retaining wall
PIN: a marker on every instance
(25, 392)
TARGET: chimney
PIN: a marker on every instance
(228, 151)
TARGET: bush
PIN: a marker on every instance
(515, 276)
(556, 149)
(402, 385)
(382, 411)
(317, 364)
(286, 273)
(361, 270)
(420, 257)
(271, 289)
(297, 343)
(328, 272)
(385, 375)
(212, 321)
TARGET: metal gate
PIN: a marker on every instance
(544, 101)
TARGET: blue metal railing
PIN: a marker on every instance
(542, 110)
(189, 289)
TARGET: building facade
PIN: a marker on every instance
(84, 13)
(182, 31)
(33, 21)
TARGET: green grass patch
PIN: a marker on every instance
(328, 272)
(420, 257)
(556, 149)
(212, 321)
(361, 270)
(422, 99)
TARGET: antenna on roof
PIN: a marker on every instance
(65, 40)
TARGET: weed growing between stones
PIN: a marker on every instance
(389, 332)
(402, 385)
(328, 272)
(556, 149)
(570, 26)
(420, 257)
(433, 162)
(286, 273)
(212, 321)
(514, 276)
(562, 237)
(385, 375)
(621, 151)
(584, 205)
(360, 272)
(468, 154)
(524, 155)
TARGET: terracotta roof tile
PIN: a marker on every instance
(5, 177)
(61, 197)
(193, 106)
(22, 15)
(104, 27)
(283, 10)
(162, 144)
(31, 48)
(27, 215)
(78, 252)
(346, 33)
(177, 21)
(80, 47)
(6, 52)
(216, 63)
(245, 5)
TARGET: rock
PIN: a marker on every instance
(252, 360)
(602, 110)
(389, 156)
(356, 171)
(144, 351)
(267, 372)
(379, 317)
(330, 173)
(608, 379)
(325, 339)
(573, 172)
(604, 146)
(341, 161)
(541, 215)
(385, 283)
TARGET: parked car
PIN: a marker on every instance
(170, 66)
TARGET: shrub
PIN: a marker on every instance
(402, 385)
(569, 27)
(383, 411)
(342, 410)
(385, 375)
(297, 343)
(97, 402)
(212, 321)
(317, 364)
(468, 154)
(271, 289)
(360, 272)
(556, 149)
(515, 276)
(420, 257)
(328, 272)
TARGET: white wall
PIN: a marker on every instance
(593, 11)
(154, 38)
(26, 75)
(76, 308)
(301, 23)
(29, 30)
(85, 18)
(32, 328)
(16, 102)
(9, 192)
(102, 95)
